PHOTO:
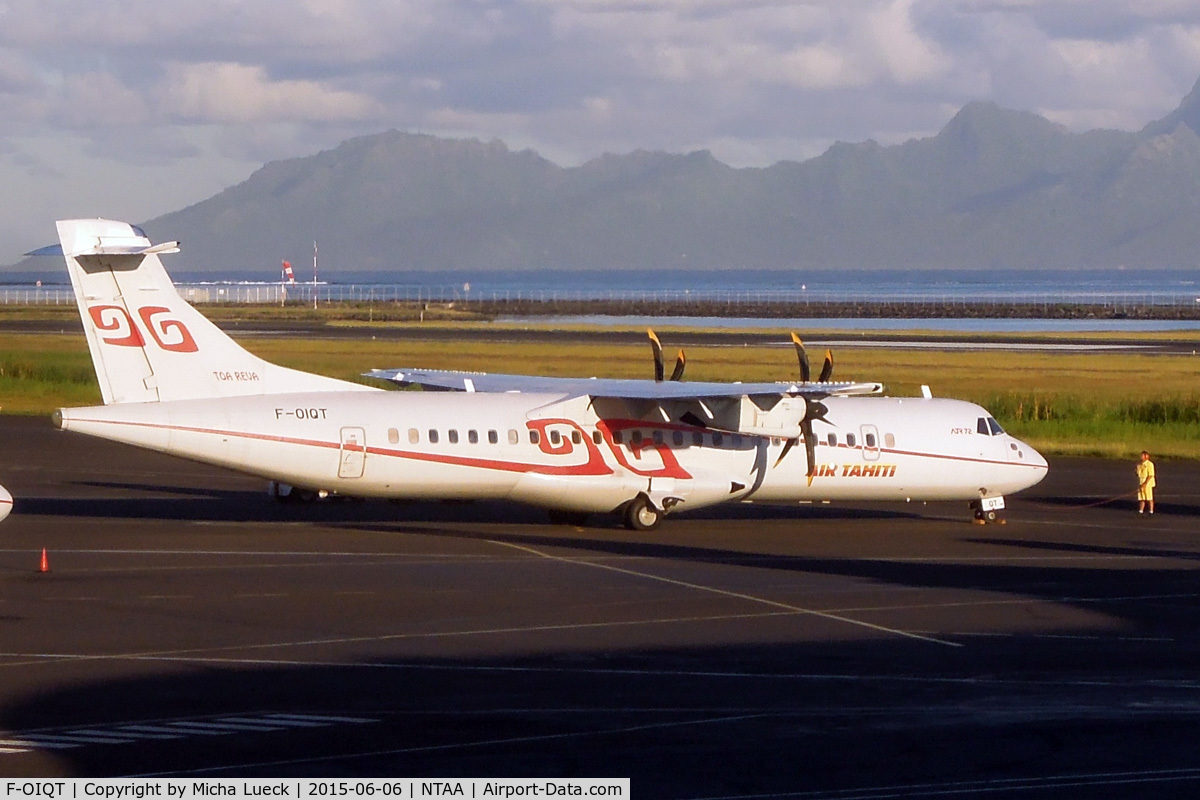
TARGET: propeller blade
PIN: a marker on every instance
(805, 374)
(810, 447)
(656, 345)
(827, 370)
(680, 363)
(787, 448)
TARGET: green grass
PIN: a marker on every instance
(1086, 404)
(44, 372)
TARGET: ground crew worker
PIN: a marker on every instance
(1145, 474)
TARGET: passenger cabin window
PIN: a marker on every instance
(452, 435)
(736, 440)
(534, 438)
(850, 440)
(576, 437)
(433, 437)
(393, 436)
(658, 437)
(555, 437)
(870, 440)
(832, 439)
(889, 440)
(473, 437)
(677, 438)
(414, 436)
(718, 439)
(618, 437)
(493, 437)
(514, 437)
(698, 439)
(597, 437)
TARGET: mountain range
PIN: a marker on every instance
(994, 189)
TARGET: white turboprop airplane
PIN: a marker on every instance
(173, 382)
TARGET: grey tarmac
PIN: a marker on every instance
(190, 627)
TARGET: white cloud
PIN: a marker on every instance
(235, 93)
(228, 82)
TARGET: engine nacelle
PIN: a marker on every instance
(772, 416)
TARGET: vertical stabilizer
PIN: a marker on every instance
(147, 343)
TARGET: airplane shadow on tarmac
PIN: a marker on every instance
(711, 719)
(805, 703)
(218, 505)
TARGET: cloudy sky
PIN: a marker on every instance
(134, 108)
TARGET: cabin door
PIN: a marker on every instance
(870, 437)
(353, 453)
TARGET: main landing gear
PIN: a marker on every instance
(641, 515)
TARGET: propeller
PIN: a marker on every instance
(813, 409)
(680, 360)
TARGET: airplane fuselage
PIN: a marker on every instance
(560, 453)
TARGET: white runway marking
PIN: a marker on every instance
(126, 732)
(460, 745)
(737, 595)
(1007, 786)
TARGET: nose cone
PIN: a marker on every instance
(1035, 461)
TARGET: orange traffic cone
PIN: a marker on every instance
(45, 567)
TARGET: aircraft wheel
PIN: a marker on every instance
(641, 515)
(575, 519)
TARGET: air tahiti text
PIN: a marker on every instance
(855, 471)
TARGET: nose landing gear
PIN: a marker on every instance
(988, 511)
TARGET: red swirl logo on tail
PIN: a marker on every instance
(169, 334)
(115, 320)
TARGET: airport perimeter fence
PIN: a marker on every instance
(673, 301)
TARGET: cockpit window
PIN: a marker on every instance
(987, 426)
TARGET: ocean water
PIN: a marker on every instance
(845, 284)
(848, 284)
(1100, 287)
(809, 324)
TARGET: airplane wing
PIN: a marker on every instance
(615, 388)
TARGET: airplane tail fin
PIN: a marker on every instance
(147, 343)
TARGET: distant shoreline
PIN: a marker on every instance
(489, 309)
